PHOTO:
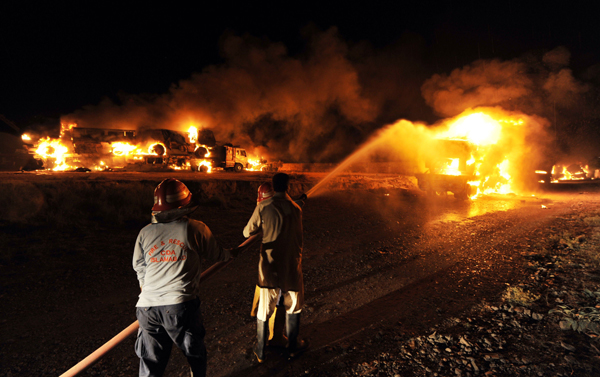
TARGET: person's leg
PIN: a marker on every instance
(266, 305)
(184, 324)
(293, 302)
(277, 336)
(153, 344)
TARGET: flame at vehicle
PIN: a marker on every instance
(65, 127)
(101, 166)
(204, 166)
(53, 152)
(494, 139)
(256, 164)
(478, 128)
(571, 172)
(192, 134)
(122, 149)
(450, 167)
(147, 149)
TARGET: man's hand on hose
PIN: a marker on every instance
(250, 242)
(235, 251)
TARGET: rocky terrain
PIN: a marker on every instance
(397, 284)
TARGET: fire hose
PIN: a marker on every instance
(131, 329)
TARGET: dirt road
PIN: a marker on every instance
(377, 261)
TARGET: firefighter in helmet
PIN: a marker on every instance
(280, 266)
(166, 259)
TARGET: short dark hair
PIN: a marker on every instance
(281, 182)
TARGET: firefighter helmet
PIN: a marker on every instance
(170, 194)
(265, 191)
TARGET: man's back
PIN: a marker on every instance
(167, 260)
(281, 251)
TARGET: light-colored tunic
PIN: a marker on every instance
(280, 265)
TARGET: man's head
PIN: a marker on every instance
(265, 191)
(171, 194)
(281, 182)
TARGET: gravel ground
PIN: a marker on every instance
(547, 324)
(396, 284)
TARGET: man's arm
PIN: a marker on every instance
(139, 261)
(202, 239)
(254, 224)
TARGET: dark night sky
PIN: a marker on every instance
(54, 59)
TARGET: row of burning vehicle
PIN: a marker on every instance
(108, 149)
(481, 151)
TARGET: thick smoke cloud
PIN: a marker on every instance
(314, 107)
(483, 83)
(287, 105)
(306, 108)
(530, 84)
(321, 104)
(543, 86)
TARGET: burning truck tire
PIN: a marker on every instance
(199, 169)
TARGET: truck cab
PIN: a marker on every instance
(229, 157)
(448, 168)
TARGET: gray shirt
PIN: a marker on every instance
(166, 259)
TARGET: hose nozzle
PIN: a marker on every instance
(301, 199)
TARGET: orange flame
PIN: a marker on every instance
(255, 164)
(192, 134)
(484, 132)
(478, 128)
(64, 127)
(122, 149)
(52, 149)
(205, 165)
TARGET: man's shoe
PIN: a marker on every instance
(301, 346)
(259, 353)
